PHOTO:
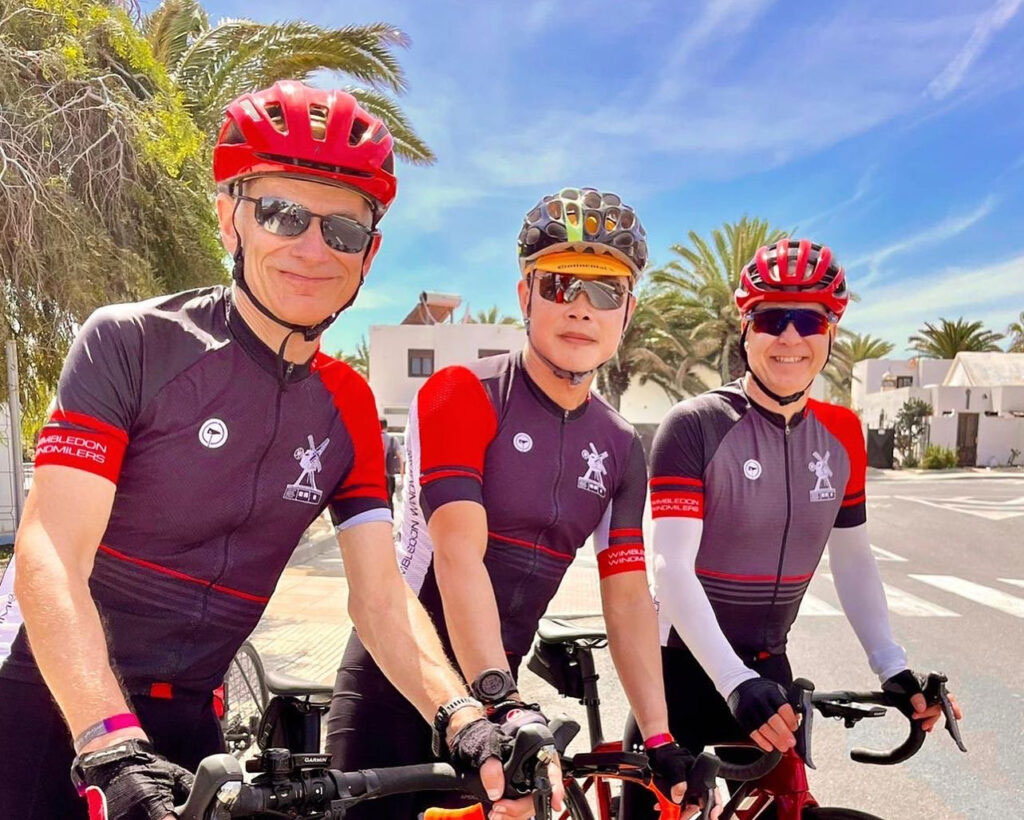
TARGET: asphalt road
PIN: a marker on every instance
(951, 553)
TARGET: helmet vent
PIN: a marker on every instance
(388, 165)
(380, 133)
(318, 121)
(276, 116)
(233, 135)
(358, 130)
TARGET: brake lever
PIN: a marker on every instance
(704, 771)
(800, 696)
(936, 692)
(542, 783)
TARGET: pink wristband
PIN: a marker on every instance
(105, 727)
(658, 740)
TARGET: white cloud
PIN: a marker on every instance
(933, 234)
(992, 293)
(995, 19)
(371, 298)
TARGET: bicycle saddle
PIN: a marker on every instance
(279, 683)
(553, 630)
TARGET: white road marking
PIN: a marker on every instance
(812, 605)
(902, 602)
(983, 508)
(987, 596)
(1017, 582)
(885, 555)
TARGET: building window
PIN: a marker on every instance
(904, 381)
(421, 363)
(484, 352)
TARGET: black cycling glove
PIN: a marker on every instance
(672, 764)
(755, 701)
(902, 687)
(477, 741)
(138, 784)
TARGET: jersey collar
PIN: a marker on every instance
(777, 419)
(257, 349)
(543, 399)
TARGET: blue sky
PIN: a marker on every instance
(893, 132)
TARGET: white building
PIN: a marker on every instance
(429, 338)
(7, 480)
(977, 401)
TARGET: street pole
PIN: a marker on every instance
(14, 406)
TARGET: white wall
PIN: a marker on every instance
(644, 403)
(942, 431)
(1007, 398)
(867, 375)
(880, 409)
(392, 385)
(995, 438)
(6, 473)
(932, 371)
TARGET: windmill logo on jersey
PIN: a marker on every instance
(304, 488)
(823, 490)
(593, 480)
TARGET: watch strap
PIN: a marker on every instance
(444, 717)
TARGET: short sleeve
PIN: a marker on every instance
(677, 466)
(455, 422)
(361, 495)
(845, 426)
(97, 398)
(619, 541)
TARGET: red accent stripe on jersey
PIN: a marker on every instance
(434, 476)
(95, 451)
(677, 504)
(529, 545)
(181, 576)
(670, 479)
(786, 579)
(621, 558)
(357, 408)
(624, 532)
(162, 691)
(93, 423)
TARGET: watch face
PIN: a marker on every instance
(493, 684)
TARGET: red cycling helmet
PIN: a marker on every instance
(297, 130)
(793, 271)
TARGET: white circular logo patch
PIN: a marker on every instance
(213, 433)
(752, 468)
(522, 442)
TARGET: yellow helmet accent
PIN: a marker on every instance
(583, 265)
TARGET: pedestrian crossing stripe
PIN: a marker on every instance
(1017, 582)
(979, 593)
(885, 555)
(900, 603)
(993, 510)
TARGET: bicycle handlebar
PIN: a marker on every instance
(304, 783)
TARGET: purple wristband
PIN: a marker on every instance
(105, 727)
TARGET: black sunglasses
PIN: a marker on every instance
(282, 217)
(605, 293)
(774, 321)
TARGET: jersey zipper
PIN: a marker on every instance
(785, 534)
(517, 598)
(252, 504)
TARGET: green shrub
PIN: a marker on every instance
(938, 458)
(910, 461)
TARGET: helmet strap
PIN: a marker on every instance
(309, 332)
(782, 401)
(574, 377)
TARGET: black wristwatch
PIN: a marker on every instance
(493, 686)
(132, 747)
(444, 717)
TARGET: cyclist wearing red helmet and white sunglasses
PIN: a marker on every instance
(194, 439)
(748, 484)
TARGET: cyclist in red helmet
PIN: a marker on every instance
(194, 439)
(748, 484)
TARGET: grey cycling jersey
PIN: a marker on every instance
(769, 494)
(220, 466)
(546, 477)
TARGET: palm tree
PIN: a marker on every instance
(212, 65)
(945, 340)
(1015, 330)
(493, 316)
(358, 361)
(705, 276)
(848, 349)
(655, 347)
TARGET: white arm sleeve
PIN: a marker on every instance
(684, 603)
(855, 574)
